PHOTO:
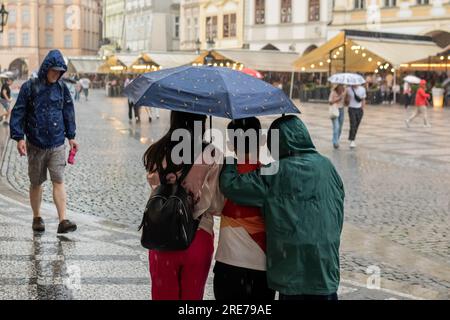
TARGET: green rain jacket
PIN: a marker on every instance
(303, 207)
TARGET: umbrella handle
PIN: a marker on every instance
(210, 127)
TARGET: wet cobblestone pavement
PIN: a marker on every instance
(397, 208)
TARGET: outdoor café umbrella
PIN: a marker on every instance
(252, 73)
(412, 79)
(207, 90)
(348, 79)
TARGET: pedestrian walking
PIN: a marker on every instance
(85, 84)
(356, 96)
(407, 94)
(78, 90)
(6, 99)
(132, 108)
(337, 113)
(303, 206)
(42, 99)
(240, 269)
(182, 274)
(422, 102)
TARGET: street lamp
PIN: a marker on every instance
(3, 18)
(209, 57)
(198, 45)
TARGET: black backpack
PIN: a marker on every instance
(168, 223)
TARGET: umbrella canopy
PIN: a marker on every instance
(214, 91)
(349, 79)
(252, 73)
(412, 79)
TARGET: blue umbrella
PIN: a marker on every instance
(212, 91)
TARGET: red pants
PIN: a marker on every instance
(182, 275)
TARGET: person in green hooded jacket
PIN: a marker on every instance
(303, 208)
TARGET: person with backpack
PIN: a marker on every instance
(240, 269)
(41, 120)
(178, 222)
(303, 207)
(356, 103)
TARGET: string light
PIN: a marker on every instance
(379, 63)
(364, 55)
(357, 51)
(370, 59)
(329, 60)
(392, 70)
(303, 68)
(442, 57)
(321, 63)
(313, 66)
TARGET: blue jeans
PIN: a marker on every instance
(338, 123)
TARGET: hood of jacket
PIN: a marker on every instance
(294, 137)
(54, 59)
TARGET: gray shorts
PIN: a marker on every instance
(40, 161)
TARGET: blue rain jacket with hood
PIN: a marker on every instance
(44, 112)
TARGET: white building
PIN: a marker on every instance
(189, 24)
(152, 25)
(286, 25)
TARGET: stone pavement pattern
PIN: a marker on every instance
(397, 184)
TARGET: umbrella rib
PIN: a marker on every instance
(154, 82)
(228, 98)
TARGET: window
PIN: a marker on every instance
(12, 16)
(314, 10)
(25, 15)
(390, 3)
(360, 4)
(68, 41)
(286, 11)
(229, 25)
(49, 40)
(49, 19)
(260, 11)
(211, 27)
(12, 39)
(177, 27)
(423, 2)
(25, 39)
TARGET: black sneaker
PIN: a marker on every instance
(38, 224)
(67, 226)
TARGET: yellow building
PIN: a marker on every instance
(416, 17)
(223, 22)
(36, 26)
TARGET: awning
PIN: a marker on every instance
(265, 61)
(84, 65)
(112, 65)
(172, 59)
(274, 61)
(366, 52)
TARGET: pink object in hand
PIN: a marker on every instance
(72, 154)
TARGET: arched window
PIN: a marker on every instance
(314, 10)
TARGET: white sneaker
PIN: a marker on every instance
(353, 144)
(407, 123)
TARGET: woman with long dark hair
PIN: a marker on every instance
(182, 275)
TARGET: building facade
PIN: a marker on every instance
(286, 25)
(189, 24)
(36, 26)
(418, 17)
(152, 25)
(114, 22)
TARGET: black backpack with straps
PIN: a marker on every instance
(168, 223)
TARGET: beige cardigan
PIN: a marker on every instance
(203, 182)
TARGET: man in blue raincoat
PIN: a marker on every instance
(41, 120)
